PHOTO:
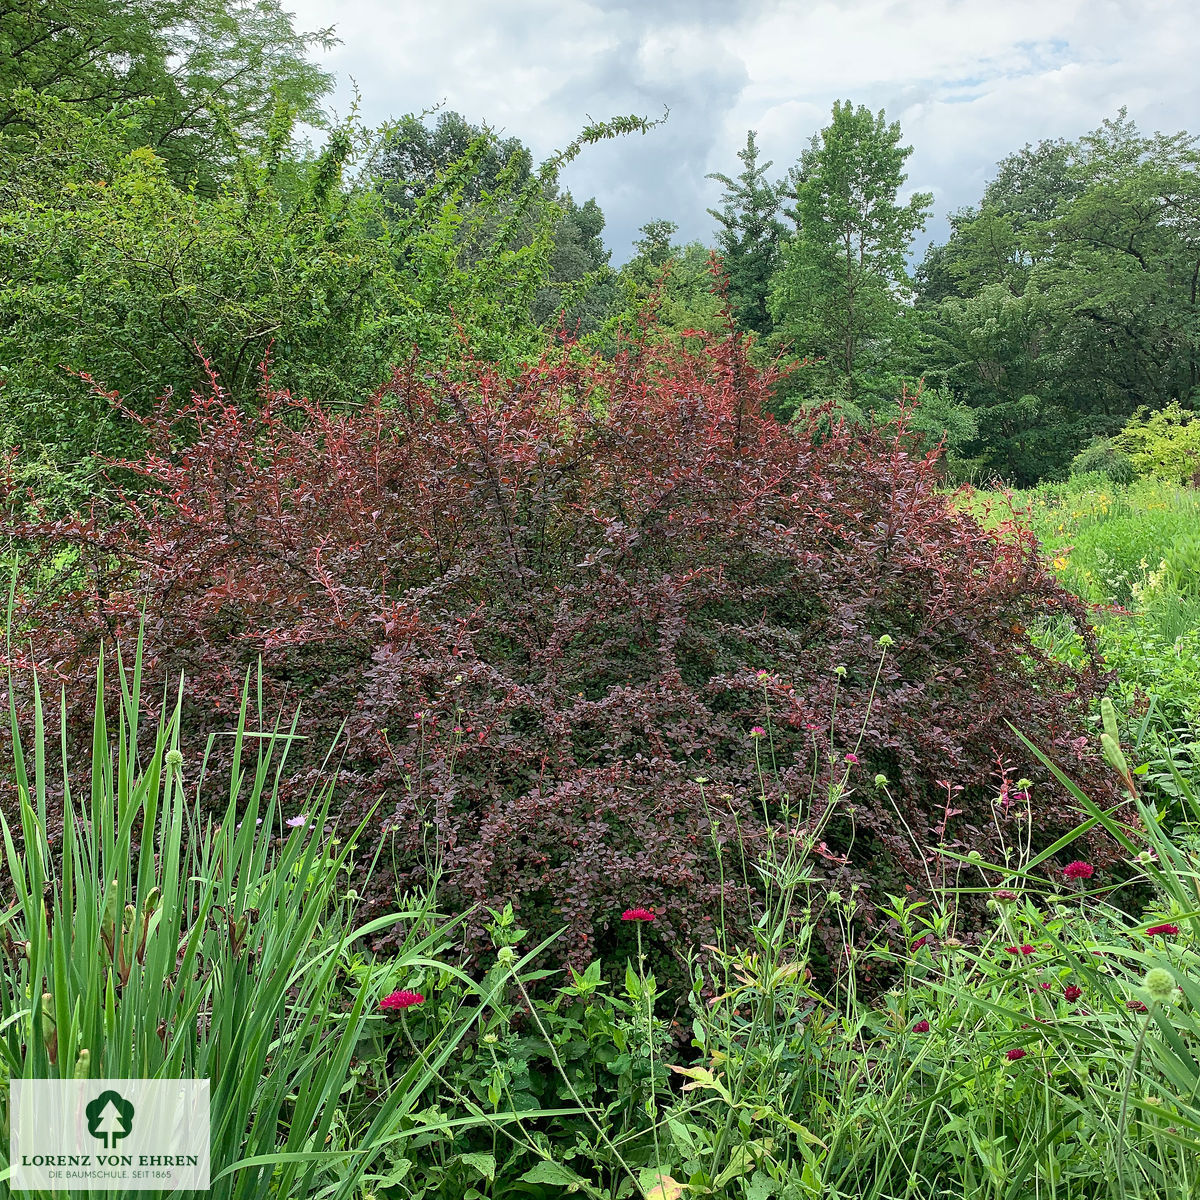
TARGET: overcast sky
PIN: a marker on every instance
(968, 80)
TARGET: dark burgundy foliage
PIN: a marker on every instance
(541, 606)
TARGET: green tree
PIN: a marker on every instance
(108, 267)
(672, 284)
(196, 70)
(749, 237)
(840, 291)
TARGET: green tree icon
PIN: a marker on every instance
(109, 1117)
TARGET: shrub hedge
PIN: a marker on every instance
(544, 604)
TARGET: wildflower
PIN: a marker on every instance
(638, 914)
(1006, 897)
(1167, 930)
(1135, 1006)
(881, 780)
(400, 1000)
(763, 675)
(1013, 1055)
(297, 822)
(506, 956)
(758, 731)
(921, 1027)
(852, 758)
(1079, 870)
(920, 942)
(886, 641)
(1026, 950)
(1071, 993)
(1159, 984)
(1044, 986)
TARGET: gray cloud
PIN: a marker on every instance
(970, 81)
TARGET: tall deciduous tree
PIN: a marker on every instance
(199, 69)
(749, 236)
(843, 281)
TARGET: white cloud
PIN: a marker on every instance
(969, 80)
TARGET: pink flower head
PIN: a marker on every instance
(400, 1000)
(297, 822)
(920, 942)
(1135, 1006)
(638, 914)
(852, 758)
(1079, 870)
(1169, 930)
(1071, 993)
(921, 1027)
(758, 731)
(1013, 1055)
(1018, 949)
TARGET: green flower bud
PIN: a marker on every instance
(1108, 714)
(1113, 754)
(48, 1026)
(83, 1064)
(886, 641)
(153, 896)
(835, 897)
(1159, 984)
(881, 780)
(506, 956)
(174, 760)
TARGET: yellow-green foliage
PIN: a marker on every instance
(1163, 444)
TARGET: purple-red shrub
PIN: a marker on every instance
(542, 606)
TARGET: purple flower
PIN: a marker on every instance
(297, 822)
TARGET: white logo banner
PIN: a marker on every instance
(108, 1134)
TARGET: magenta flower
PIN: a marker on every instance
(852, 758)
(401, 1000)
(1018, 950)
(920, 942)
(638, 914)
(1013, 1055)
(921, 1027)
(1079, 870)
(1071, 993)
(1169, 930)
(758, 731)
